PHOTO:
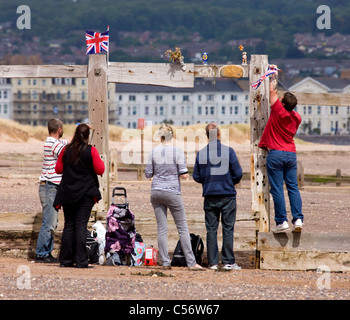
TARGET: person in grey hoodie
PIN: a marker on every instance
(166, 164)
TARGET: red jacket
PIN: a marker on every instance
(280, 129)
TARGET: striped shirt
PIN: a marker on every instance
(52, 148)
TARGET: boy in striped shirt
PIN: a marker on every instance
(49, 181)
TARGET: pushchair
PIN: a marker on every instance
(120, 231)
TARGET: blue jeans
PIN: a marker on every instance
(214, 207)
(282, 167)
(47, 194)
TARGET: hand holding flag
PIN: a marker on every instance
(272, 69)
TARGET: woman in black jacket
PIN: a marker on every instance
(80, 163)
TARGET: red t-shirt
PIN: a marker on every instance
(280, 129)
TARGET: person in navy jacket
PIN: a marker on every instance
(218, 170)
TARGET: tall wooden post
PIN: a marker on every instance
(259, 113)
(98, 116)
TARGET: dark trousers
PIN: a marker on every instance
(73, 244)
(215, 207)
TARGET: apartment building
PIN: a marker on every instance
(5, 99)
(36, 100)
(224, 101)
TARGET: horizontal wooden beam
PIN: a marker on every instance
(160, 74)
(213, 71)
(43, 71)
(324, 242)
(321, 99)
(305, 260)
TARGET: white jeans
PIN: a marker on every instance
(161, 201)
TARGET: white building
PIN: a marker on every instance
(323, 119)
(224, 102)
(6, 99)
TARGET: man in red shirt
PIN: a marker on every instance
(281, 162)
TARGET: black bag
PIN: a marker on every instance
(91, 248)
(179, 259)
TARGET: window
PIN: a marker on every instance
(236, 109)
(319, 110)
(186, 98)
(146, 111)
(132, 98)
(199, 110)
(212, 110)
(159, 98)
(173, 110)
(146, 97)
(223, 110)
(161, 111)
(134, 111)
(210, 97)
(233, 97)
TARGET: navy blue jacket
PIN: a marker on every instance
(218, 170)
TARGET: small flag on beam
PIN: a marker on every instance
(97, 42)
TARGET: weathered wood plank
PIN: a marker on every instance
(161, 74)
(43, 71)
(259, 113)
(322, 99)
(304, 260)
(98, 116)
(322, 242)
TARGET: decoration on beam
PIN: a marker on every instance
(204, 58)
(244, 55)
(176, 56)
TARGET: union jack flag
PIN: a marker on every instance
(97, 42)
(270, 71)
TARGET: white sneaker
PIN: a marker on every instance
(298, 225)
(280, 228)
(214, 267)
(234, 266)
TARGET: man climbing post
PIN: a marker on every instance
(281, 162)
